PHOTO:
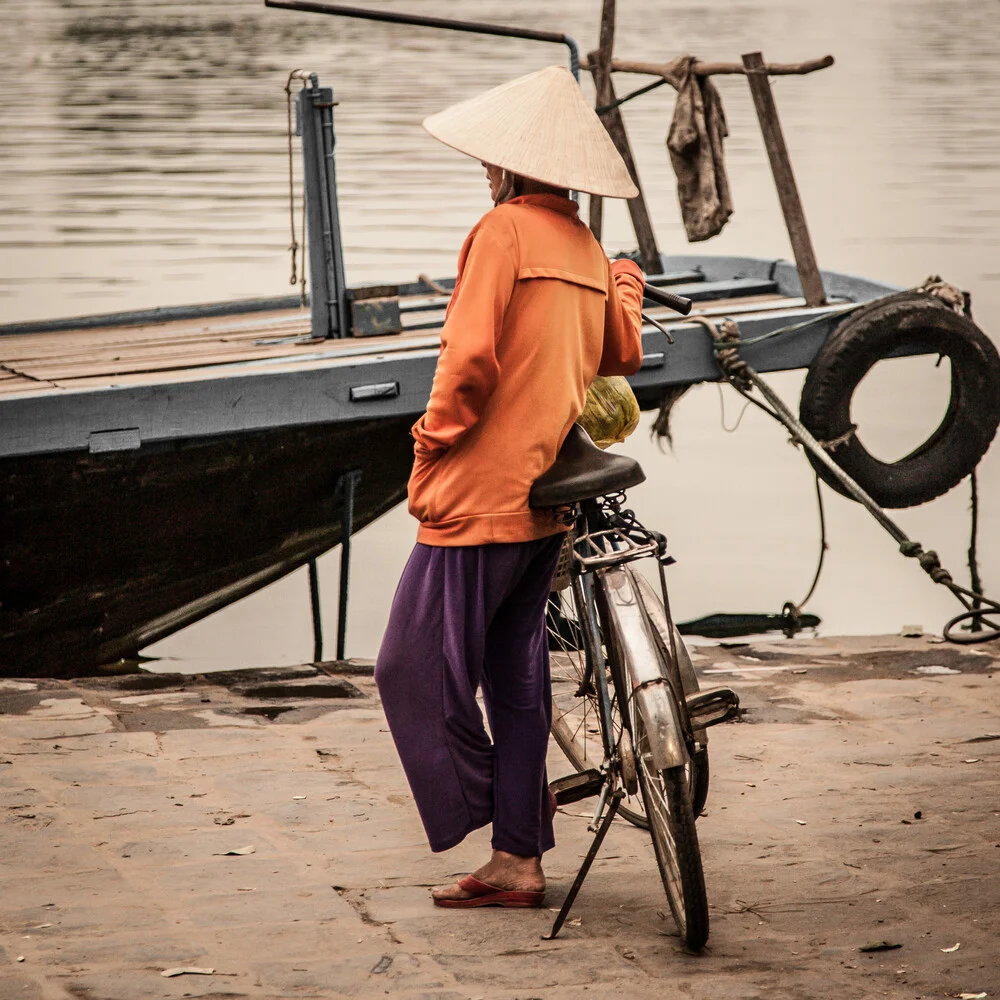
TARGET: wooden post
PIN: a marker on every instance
(600, 67)
(601, 70)
(784, 179)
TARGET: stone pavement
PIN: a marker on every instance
(857, 801)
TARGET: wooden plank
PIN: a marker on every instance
(158, 357)
(674, 278)
(52, 370)
(197, 348)
(193, 345)
(746, 304)
(419, 287)
(8, 387)
(784, 179)
(421, 305)
(742, 309)
(26, 345)
(183, 349)
(162, 314)
(290, 364)
(736, 288)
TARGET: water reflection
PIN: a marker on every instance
(142, 160)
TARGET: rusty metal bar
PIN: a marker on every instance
(446, 23)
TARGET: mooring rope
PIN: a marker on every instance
(823, 546)
(976, 624)
(744, 379)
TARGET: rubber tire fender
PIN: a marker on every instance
(872, 334)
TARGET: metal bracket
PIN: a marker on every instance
(328, 302)
(345, 489)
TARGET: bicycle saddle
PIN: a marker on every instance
(582, 472)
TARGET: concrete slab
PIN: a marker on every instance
(855, 802)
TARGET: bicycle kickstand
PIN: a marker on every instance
(602, 830)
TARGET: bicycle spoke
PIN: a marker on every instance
(576, 717)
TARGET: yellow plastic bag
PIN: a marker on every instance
(611, 412)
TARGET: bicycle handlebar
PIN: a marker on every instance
(676, 302)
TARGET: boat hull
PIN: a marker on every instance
(155, 467)
(102, 554)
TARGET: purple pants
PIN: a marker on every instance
(466, 617)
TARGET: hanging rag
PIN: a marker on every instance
(696, 154)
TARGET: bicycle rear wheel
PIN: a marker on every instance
(575, 709)
(675, 841)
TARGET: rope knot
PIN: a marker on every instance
(834, 443)
(951, 295)
(929, 561)
(911, 549)
(726, 337)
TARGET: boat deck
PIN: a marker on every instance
(125, 381)
(96, 357)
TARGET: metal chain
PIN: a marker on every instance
(294, 246)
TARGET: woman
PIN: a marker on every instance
(536, 313)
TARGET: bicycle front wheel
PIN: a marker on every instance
(666, 795)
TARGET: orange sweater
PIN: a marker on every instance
(537, 312)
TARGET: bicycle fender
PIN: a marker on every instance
(658, 616)
(644, 670)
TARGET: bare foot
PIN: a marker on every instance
(505, 871)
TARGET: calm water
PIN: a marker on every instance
(142, 162)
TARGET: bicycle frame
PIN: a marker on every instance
(596, 668)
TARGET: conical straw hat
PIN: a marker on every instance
(538, 126)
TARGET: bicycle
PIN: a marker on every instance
(635, 681)
(575, 716)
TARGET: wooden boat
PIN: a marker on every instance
(157, 466)
(155, 471)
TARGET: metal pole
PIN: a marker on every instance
(337, 300)
(347, 484)
(447, 23)
(784, 179)
(317, 213)
(316, 615)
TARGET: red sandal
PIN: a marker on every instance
(490, 895)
